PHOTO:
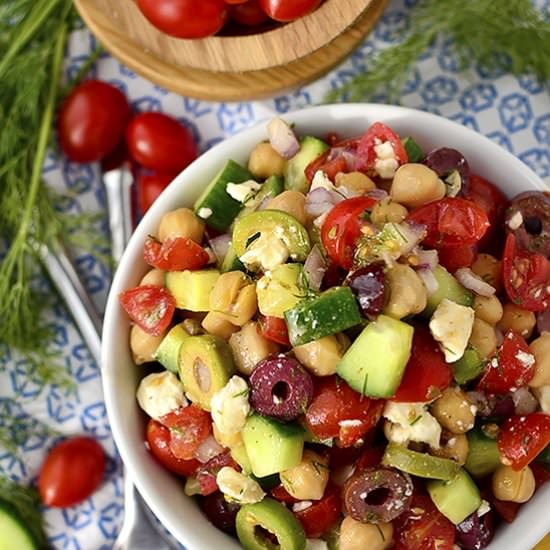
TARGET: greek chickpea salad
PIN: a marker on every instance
(349, 346)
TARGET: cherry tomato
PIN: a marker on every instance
(452, 222)
(322, 514)
(160, 142)
(526, 277)
(334, 403)
(379, 133)
(342, 228)
(371, 456)
(423, 527)
(235, 1)
(282, 495)
(541, 472)
(249, 13)
(274, 329)
(158, 438)
(185, 18)
(92, 121)
(288, 10)
(189, 427)
(150, 186)
(150, 307)
(522, 438)
(455, 258)
(206, 475)
(506, 510)
(174, 254)
(512, 367)
(426, 374)
(71, 472)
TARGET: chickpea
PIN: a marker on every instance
(355, 535)
(512, 486)
(143, 345)
(154, 277)
(230, 440)
(415, 185)
(483, 338)
(453, 446)
(309, 479)
(488, 309)
(264, 161)
(215, 323)
(489, 269)
(517, 319)
(408, 295)
(321, 357)
(355, 181)
(454, 411)
(234, 297)
(292, 202)
(540, 348)
(181, 223)
(387, 211)
(249, 347)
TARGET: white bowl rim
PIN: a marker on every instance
(524, 534)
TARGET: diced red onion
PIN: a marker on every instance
(321, 200)
(315, 268)
(426, 258)
(524, 401)
(220, 246)
(543, 321)
(428, 277)
(377, 194)
(282, 138)
(468, 279)
(412, 233)
(208, 449)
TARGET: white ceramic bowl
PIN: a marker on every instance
(159, 488)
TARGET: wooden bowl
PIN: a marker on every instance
(233, 67)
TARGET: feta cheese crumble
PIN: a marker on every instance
(161, 393)
(230, 406)
(386, 163)
(320, 180)
(515, 221)
(239, 487)
(316, 544)
(204, 213)
(267, 252)
(484, 508)
(301, 506)
(526, 359)
(241, 192)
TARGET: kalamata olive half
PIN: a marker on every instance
(529, 219)
(280, 387)
(475, 532)
(444, 162)
(377, 495)
(368, 284)
(220, 512)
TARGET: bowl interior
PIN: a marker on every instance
(163, 493)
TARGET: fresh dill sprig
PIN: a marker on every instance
(513, 36)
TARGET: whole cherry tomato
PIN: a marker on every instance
(274, 329)
(71, 472)
(526, 277)
(288, 10)
(92, 121)
(150, 186)
(521, 438)
(150, 307)
(322, 514)
(452, 222)
(342, 228)
(426, 374)
(185, 18)
(174, 254)
(160, 142)
(158, 438)
(249, 13)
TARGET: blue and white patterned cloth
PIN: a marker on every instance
(513, 112)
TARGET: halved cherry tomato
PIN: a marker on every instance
(526, 277)
(72, 471)
(342, 228)
(150, 186)
(455, 258)
(512, 367)
(282, 495)
(288, 10)
(452, 222)
(189, 427)
(249, 13)
(322, 514)
(377, 134)
(158, 438)
(522, 438)
(174, 254)
(159, 142)
(206, 474)
(426, 374)
(185, 18)
(338, 411)
(274, 329)
(423, 527)
(150, 307)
